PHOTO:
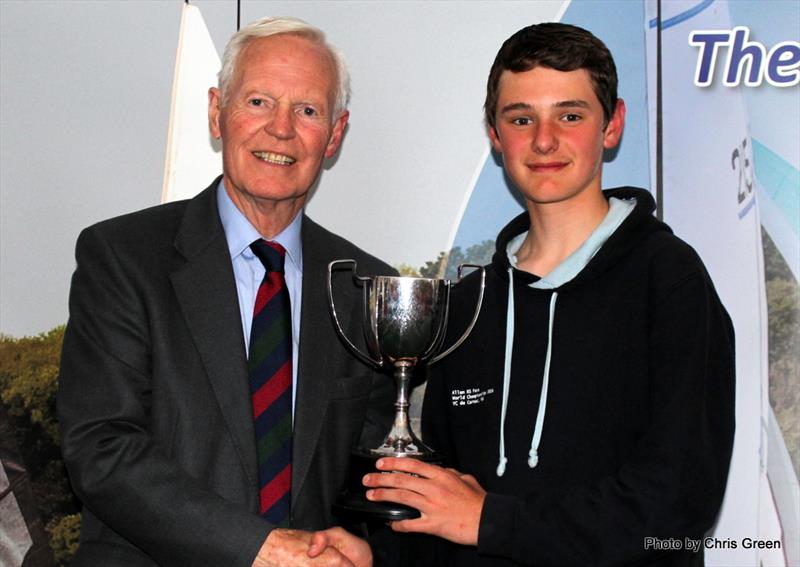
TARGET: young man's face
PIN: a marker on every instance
(549, 129)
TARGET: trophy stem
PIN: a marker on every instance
(401, 441)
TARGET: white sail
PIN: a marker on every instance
(193, 157)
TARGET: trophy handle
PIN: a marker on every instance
(457, 344)
(363, 357)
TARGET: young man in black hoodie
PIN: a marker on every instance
(589, 418)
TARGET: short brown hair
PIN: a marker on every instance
(562, 47)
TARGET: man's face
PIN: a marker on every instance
(549, 129)
(276, 121)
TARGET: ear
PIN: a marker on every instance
(338, 133)
(494, 138)
(613, 133)
(214, 104)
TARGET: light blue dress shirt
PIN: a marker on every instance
(248, 270)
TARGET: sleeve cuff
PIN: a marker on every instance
(496, 528)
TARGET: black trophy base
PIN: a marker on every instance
(352, 503)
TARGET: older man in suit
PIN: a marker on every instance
(207, 406)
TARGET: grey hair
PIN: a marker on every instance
(266, 27)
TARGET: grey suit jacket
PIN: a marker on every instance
(154, 406)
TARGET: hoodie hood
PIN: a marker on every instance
(611, 241)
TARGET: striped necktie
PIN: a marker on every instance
(270, 367)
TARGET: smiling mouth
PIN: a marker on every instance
(555, 166)
(277, 159)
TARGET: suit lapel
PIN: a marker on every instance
(206, 291)
(316, 361)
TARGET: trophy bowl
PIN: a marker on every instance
(404, 323)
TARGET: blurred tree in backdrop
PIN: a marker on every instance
(783, 307)
(28, 384)
(446, 263)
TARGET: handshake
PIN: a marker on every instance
(333, 547)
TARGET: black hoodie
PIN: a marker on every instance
(637, 424)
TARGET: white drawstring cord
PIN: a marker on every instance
(501, 466)
(533, 454)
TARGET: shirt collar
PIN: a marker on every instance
(240, 233)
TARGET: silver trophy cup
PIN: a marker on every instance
(405, 320)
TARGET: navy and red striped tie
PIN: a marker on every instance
(270, 367)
